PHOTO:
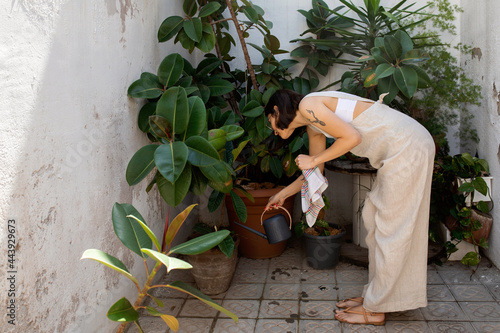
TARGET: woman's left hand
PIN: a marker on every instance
(305, 162)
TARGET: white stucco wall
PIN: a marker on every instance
(67, 132)
(480, 28)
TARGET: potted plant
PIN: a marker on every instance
(130, 228)
(213, 269)
(456, 180)
(322, 240)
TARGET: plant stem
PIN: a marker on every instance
(243, 44)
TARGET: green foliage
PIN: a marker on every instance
(135, 234)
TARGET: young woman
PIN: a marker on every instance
(396, 210)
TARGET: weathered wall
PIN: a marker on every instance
(479, 29)
(67, 132)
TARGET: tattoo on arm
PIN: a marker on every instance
(316, 120)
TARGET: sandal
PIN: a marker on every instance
(358, 300)
(365, 316)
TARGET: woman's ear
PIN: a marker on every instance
(276, 111)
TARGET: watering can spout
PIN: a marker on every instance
(251, 230)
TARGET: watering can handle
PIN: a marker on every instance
(289, 216)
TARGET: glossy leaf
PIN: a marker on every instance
(227, 246)
(200, 244)
(232, 132)
(276, 167)
(207, 42)
(110, 261)
(407, 80)
(215, 200)
(379, 55)
(471, 259)
(143, 119)
(171, 159)
(239, 207)
(383, 70)
(122, 311)
(171, 321)
(148, 231)
(169, 28)
(174, 106)
(160, 126)
(217, 173)
(236, 152)
(173, 194)
(169, 262)
(193, 28)
(145, 87)
(170, 69)
(387, 85)
(197, 117)
(140, 164)
(393, 47)
(128, 230)
(184, 287)
(201, 152)
(480, 185)
(217, 138)
(219, 87)
(207, 65)
(190, 7)
(405, 41)
(252, 109)
(209, 9)
(176, 224)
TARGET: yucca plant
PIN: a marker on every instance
(130, 228)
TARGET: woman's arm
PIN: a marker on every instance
(318, 114)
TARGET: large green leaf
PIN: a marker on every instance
(207, 42)
(207, 65)
(200, 244)
(387, 85)
(193, 28)
(184, 287)
(140, 164)
(480, 185)
(209, 9)
(407, 80)
(393, 47)
(148, 231)
(217, 173)
(173, 194)
(169, 262)
(169, 28)
(379, 55)
(217, 138)
(171, 159)
(143, 119)
(232, 132)
(160, 126)
(197, 117)
(239, 207)
(201, 152)
(415, 56)
(147, 86)
(174, 106)
(171, 321)
(128, 230)
(170, 69)
(110, 261)
(252, 109)
(405, 41)
(176, 223)
(190, 7)
(219, 87)
(276, 167)
(383, 70)
(122, 311)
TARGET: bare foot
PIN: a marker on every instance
(350, 302)
(358, 315)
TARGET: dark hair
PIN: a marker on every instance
(287, 102)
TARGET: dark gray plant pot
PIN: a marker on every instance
(323, 252)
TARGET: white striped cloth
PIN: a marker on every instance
(311, 194)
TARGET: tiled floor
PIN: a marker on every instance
(284, 294)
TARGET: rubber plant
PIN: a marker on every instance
(130, 228)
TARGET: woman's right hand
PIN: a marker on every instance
(275, 201)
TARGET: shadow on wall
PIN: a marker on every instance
(74, 140)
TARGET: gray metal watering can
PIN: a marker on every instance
(276, 228)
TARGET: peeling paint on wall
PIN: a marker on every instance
(496, 96)
(125, 5)
(476, 52)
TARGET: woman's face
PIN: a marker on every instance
(283, 133)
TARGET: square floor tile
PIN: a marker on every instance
(317, 310)
(481, 311)
(433, 277)
(196, 308)
(319, 291)
(276, 326)
(279, 309)
(317, 276)
(409, 315)
(193, 325)
(352, 276)
(282, 291)
(241, 308)
(446, 327)
(151, 324)
(251, 264)
(279, 275)
(471, 293)
(458, 277)
(407, 326)
(243, 275)
(444, 311)
(487, 327)
(229, 326)
(354, 328)
(494, 288)
(245, 291)
(439, 292)
(286, 262)
(346, 291)
(171, 306)
(320, 326)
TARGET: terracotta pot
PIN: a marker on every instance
(212, 270)
(485, 220)
(251, 245)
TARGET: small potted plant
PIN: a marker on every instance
(322, 240)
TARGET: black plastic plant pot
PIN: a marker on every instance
(323, 252)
